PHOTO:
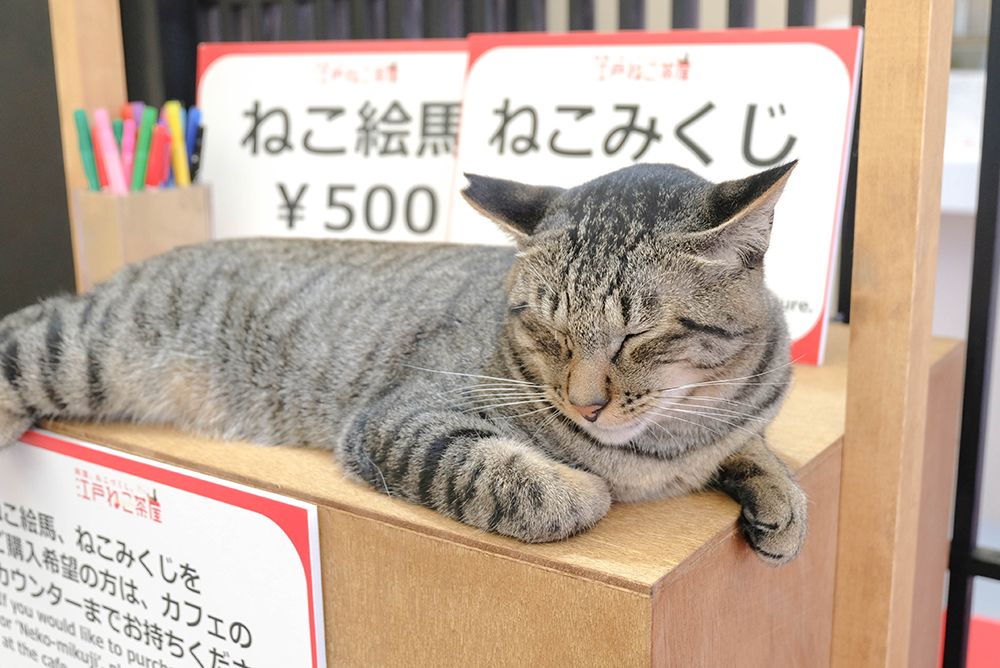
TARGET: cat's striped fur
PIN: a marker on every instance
(448, 375)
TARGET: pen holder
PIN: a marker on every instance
(116, 230)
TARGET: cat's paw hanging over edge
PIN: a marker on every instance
(774, 522)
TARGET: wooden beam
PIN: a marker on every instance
(944, 414)
(90, 72)
(903, 101)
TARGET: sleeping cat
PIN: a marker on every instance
(627, 349)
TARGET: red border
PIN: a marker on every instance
(290, 519)
(812, 341)
(209, 52)
(843, 42)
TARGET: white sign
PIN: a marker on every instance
(331, 139)
(109, 561)
(563, 109)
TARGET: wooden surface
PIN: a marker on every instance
(396, 597)
(727, 608)
(113, 231)
(634, 547)
(903, 100)
(667, 583)
(937, 493)
(90, 73)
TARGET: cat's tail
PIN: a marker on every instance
(43, 365)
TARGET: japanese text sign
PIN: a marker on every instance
(108, 561)
(339, 139)
(563, 109)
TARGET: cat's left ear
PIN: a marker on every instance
(744, 211)
(516, 207)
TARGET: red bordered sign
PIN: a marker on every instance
(200, 566)
(562, 109)
(336, 139)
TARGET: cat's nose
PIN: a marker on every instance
(590, 412)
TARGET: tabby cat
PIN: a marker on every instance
(626, 349)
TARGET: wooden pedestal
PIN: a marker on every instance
(666, 583)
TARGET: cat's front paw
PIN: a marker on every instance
(773, 520)
(526, 495)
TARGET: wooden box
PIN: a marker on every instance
(116, 230)
(665, 583)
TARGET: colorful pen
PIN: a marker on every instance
(128, 147)
(196, 152)
(178, 150)
(86, 149)
(102, 174)
(137, 111)
(109, 151)
(191, 130)
(168, 156)
(154, 168)
(142, 150)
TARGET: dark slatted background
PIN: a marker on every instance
(244, 20)
(184, 23)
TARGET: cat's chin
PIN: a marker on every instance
(614, 434)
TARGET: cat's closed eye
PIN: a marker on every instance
(619, 344)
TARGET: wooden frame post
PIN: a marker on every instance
(90, 72)
(903, 102)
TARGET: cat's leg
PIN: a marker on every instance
(113, 353)
(464, 467)
(38, 351)
(774, 507)
(16, 415)
(50, 360)
(12, 424)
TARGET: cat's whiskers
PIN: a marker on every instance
(472, 408)
(690, 422)
(487, 392)
(547, 421)
(714, 383)
(381, 476)
(508, 403)
(492, 386)
(698, 397)
(472, 404)
(498, 390)
(731, 381)
(709, 417)
(720, 384)
(653, 423)
(467, 375)
(521, 415)
(480, 402)
(501, 395)
(712, 410)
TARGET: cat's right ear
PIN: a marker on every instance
(516, 207)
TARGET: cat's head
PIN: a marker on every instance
(630, 290)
